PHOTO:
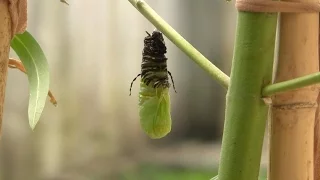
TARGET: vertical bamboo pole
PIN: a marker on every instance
(316, 148)
(5, 38)
(293, 113)
(317, 142)
(246, 113)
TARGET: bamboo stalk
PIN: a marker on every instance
(5, 38)
(316, 148)
(246, 112)
(317, 143)
(293, 113)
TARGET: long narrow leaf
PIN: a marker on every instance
(35, 62)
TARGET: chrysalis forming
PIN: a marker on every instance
(154, 99)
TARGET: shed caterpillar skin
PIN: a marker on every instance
(154, 99)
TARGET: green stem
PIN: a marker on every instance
(246, 113)
(291, 84)
(180, 42)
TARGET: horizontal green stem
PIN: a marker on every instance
(180, 42)
(291, 84)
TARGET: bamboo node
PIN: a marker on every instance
(268, 6)
(294, 106)
(267, 100)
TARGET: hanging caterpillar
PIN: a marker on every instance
(154, 99)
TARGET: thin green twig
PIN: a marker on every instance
(180, 42)
(291, 84)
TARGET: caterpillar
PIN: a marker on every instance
(154, 99)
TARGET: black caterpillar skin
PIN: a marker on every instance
(154, 71)
(154, 62)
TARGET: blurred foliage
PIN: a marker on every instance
(156, 172)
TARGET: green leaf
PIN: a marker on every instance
(35, 63)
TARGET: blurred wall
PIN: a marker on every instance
(94, 51)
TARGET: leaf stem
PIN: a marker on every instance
(291, 84)
(180, 42)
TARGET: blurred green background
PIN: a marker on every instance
(94, 51)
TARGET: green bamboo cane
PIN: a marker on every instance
(246, 113)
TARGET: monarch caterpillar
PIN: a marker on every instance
(154, 99)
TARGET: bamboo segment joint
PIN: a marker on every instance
(293, 106)
(268, 6)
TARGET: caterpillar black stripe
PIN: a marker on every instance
(154, 62)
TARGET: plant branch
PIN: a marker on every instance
(246, 113)
(16, 64)
(291, 84)
(180, 42)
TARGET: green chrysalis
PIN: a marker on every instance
(154, 99)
